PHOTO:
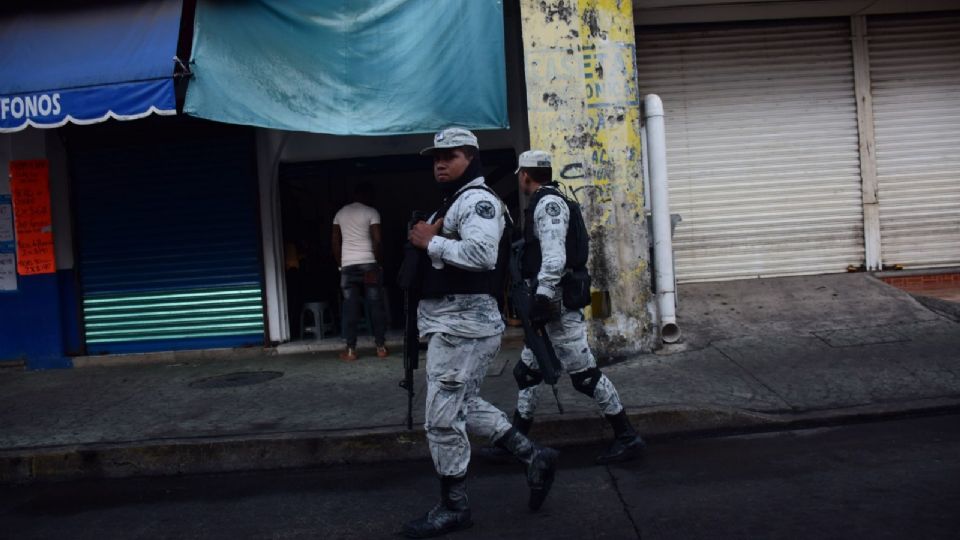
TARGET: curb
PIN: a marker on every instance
(171, 357)
(316, 449)
(950, 310)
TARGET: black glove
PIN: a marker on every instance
(542, 309)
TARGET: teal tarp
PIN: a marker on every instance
(361, 67)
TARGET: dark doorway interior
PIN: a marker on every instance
(312, 193)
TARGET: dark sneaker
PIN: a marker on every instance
(622, 449)
(540, 474)
(439, 520)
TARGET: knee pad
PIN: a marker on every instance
(586, 381)
(525, 376)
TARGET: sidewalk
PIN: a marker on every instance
(756, 354)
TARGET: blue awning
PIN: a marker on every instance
(87, 64)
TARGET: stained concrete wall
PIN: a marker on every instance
(583, 107)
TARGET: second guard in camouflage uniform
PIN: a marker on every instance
(544, 262)
(462, 262)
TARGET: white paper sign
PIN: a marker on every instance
(8, 272)
(6, 222)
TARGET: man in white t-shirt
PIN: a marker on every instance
(356, 248)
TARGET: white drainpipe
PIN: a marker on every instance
(662, 241)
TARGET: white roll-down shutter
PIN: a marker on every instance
(762, 146)
(915, 70)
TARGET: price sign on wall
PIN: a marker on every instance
(6, 223)
(30, 188)
(8, 264)
(8, 272)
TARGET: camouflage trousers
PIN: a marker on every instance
(569, 337)
(456, 367)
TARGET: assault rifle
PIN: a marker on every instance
(409, 280)
(534, 335)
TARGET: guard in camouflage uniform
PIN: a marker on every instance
(547, 220)
(462, 271)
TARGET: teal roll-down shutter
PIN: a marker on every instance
(168, 245)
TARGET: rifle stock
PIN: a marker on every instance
(411, 349)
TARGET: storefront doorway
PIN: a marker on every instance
(312, 193)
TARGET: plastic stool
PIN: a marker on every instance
(322, 321)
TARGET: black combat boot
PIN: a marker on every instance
(626, 444)
(522, 424)
(497, 453)
(452, 513)
(541, 464)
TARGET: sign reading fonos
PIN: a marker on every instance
(30, 106)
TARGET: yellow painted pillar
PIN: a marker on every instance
(583, 107)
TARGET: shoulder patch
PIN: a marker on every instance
(553, 209)
(485, 209)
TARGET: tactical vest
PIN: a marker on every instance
(452, 280)
(576, 243)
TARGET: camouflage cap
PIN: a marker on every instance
(533, 159)
(452, 137)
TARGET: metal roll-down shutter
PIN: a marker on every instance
(762, 146)
(168, 244)
(915, 70)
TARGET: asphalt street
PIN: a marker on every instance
(892, 479)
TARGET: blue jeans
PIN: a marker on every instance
(362, 283)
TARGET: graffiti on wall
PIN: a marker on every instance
(582, 96)
(584, 107)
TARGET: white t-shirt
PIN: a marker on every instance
(355, 220)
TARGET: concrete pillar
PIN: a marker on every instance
(583, 107)
(870, 183)
(270, 145)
